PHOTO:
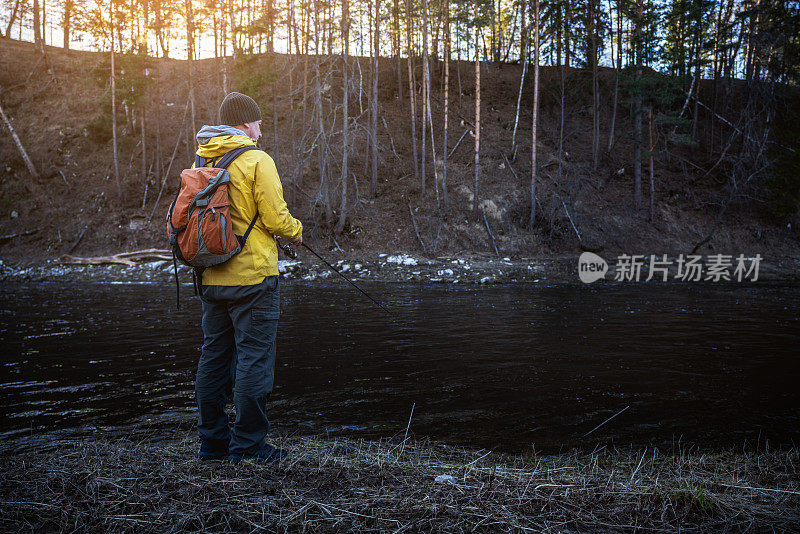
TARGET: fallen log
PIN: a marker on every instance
(17, 142)
(97, 260)
(77, 241)
(157, 253)
(416, 230)
(489, 231)
(6, 238)
(123, 258)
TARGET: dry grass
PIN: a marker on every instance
(145, 485)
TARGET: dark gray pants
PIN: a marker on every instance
(240, 324)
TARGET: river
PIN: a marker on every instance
(506, 367)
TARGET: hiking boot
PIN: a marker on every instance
(266, 455)
(213, 449)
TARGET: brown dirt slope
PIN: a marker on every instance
(74, 205)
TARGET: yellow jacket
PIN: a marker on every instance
(254, 188)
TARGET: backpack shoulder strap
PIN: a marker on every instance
(249, 229)
(228, 158)
(223, 163)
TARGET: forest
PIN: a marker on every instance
(500, 127)
(442, 363)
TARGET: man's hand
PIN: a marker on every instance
(299, 241)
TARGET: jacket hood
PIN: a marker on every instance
(217, 140)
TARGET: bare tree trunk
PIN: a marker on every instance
(291, 29)
(535, 120)
(223, 50)
(297, 50)
(234, 37)
(652, 147)
(374, 133)
(458, 65)
(425, 98)
(559, 27)
(190, 57)
(329, 27)
(144, 144)
(446, 102)
(37, 28)
(477, 116)
(306, 30)
(562, 96)
(715, 78)
(159, 29)
(66, 22)
(159, 164)
(12, 19)
(397, 42)
(567, 34)
(44, 26)
(511, 31)
(434, 50)
(322, 161)
(345, 124)
(289, 25)
(637, 137)
(427, 120)
(411, 89)
(224, 77)
(427, 78)
(114, 109)
(492, 52)
(216, 34)
(592, 29)
(275, 144)
(144, 20)
(616, 76)
(524, 55)
(751, 38)
(324, 187)
(696, 113)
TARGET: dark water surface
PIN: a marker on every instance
(499, 366)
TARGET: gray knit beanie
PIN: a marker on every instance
(237, 109)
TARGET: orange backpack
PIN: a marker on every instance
(199, 225)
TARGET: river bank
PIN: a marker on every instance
(76, 205)
(148, 482)
(385, 267)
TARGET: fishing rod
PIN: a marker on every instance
(292, 253)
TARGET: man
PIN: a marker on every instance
(241, 297)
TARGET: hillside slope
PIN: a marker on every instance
(74, 206)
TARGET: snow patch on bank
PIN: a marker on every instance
(402, 259)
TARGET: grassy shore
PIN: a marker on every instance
(146, 485)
